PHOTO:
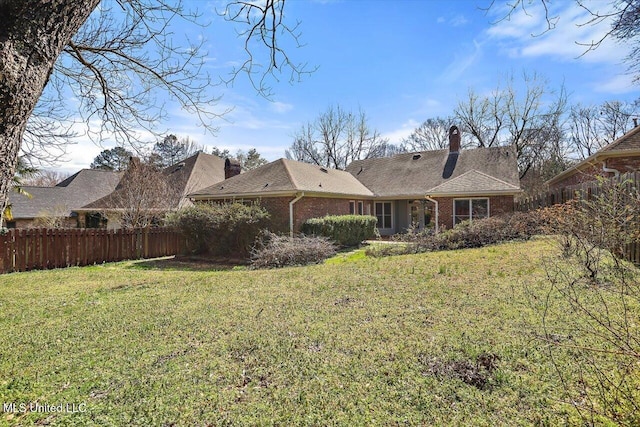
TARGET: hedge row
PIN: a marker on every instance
(345, 230)
(221, 229)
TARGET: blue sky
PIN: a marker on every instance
(400, 61)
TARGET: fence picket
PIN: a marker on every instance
(32, 249)
(588, 191)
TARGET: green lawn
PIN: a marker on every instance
(445, 338)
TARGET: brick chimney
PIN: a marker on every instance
(454, 139)
(231, 168)
(134, 162)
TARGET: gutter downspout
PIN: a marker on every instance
(615, 172)
(291, 203)
(436, 203)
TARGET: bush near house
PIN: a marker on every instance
(345, 230)
(483, 232)
(221, 229)
(274, 251)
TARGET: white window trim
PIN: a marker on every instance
(453, 207)
(392, 214)
(354, 207)
(360, 207)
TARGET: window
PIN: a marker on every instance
(352, 207)
(360, 208)
(383, 214)
(470, 209)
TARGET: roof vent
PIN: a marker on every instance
(360, 171)
(416, 156)
(324, 170)
(178, 167)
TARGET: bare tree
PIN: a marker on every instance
(432, 134)
(112, 59)
(591, 305)
(623, 17)
(263, 23)
(531, 121)
(593, 127)
(45, 178)
(336, 138)
(142, 198)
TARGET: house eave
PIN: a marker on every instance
(592, 160)
(205, 197)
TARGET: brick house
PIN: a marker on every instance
(293, 191)
(430, 188)
(62, 200)
(191, 174)
(619, 157)
(89, 198)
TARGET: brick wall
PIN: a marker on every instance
(622, 164)
(497, 205)
(303, 209)
(315, 207)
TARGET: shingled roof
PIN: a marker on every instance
(283, 177)
(193, 173)
(440, 173)
(74, 192)
(627, 145)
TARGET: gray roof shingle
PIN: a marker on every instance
(287, 176)
(74, 192)
(193, 173)
(435, 172)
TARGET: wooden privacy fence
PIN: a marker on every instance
(40, 248)
(586, 191)
(562, 195)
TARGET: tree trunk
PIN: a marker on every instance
(32, 36)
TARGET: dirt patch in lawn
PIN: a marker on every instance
(191, 263)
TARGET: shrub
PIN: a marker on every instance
(592, 286)
(274, 251)
(515, 226)
(220, 229)
(345, 230)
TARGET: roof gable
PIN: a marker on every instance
(627, 145)
(193, 173)
(413, 174)
(287, 176)
(70, 194)
(473, 182)
(628, 141)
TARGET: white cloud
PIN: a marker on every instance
(618, 84)
(461, 63)
(526, 34)
(397, 135)
(458, 21)
(280, 107)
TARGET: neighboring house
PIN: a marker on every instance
(62, 201)
(194, 173)
(422, 189)
(619, 157)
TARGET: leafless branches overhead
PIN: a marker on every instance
(263, 24)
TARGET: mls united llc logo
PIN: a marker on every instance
(67, 408)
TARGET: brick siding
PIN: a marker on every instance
(622, 164)
(303, 209)
(497, 205)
